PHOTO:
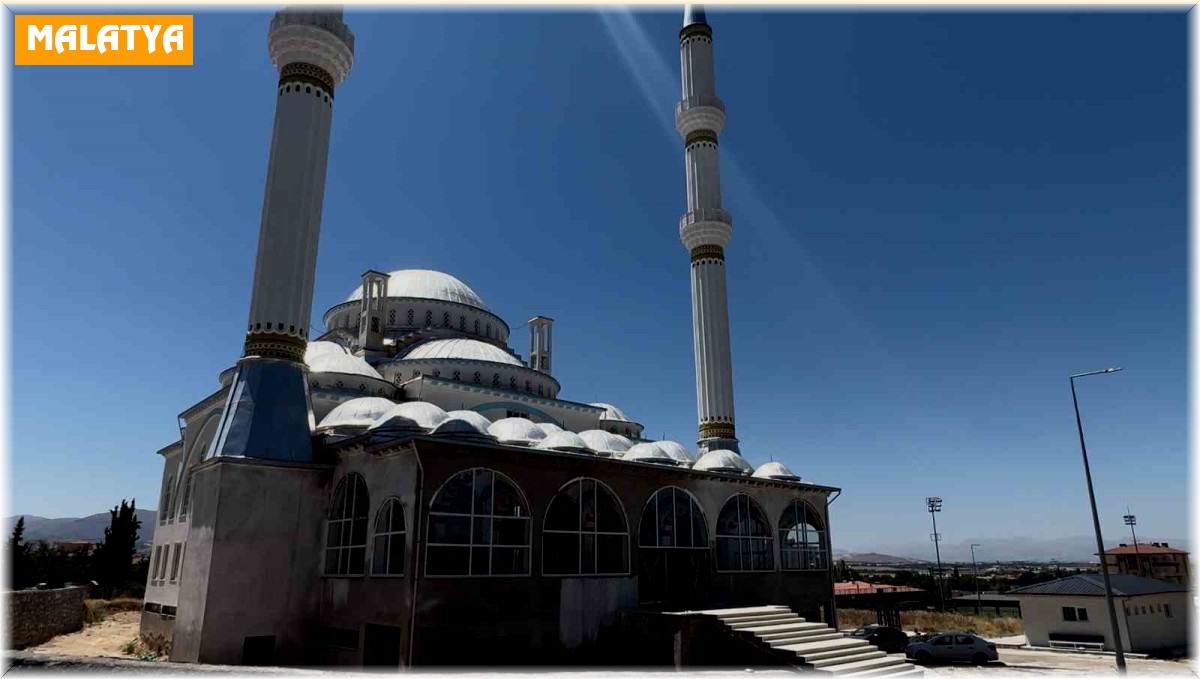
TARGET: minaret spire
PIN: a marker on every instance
(705, 229)
(268, 412)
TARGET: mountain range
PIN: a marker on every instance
(38, 528)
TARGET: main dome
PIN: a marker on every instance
(469, 349)
(426, 284)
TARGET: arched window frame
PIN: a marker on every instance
(346, 528)
(164, 510)
(389, 532)
(694, 509)
(481, 524)
(802, 544)
(582, 532)
(753, 552)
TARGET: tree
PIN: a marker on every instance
(18, 556)
(114, 559)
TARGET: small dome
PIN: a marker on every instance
(548, 427)
(462, 427)
(676, 452)
(357, 412)
(411, 415)
(516, 431)
(724, 462)
(611, 412)
(471, 416)
(648, 452)
(566, 441)
(775, 470)
(469, 349)
(604, 443)
(320, 348)
(331, 362)
(425, 284)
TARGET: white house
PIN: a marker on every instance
(1071, 611)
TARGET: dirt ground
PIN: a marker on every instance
(1021, 661)
(103, 640)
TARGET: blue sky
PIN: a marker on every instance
(937, 219)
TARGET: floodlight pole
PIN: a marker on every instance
(975, 576)
(1087, 471)
(934, 504)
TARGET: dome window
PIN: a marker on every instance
(446, 320)
(528, 386)
(496, 380)
(478, 377)
(410, 317)
(462, 323)
(457, 377)
(428, 319)
(391, 318)
(477, 326)
(512, 383)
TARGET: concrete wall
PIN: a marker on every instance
(35, 616)
(1042, 616)
(1153, 630)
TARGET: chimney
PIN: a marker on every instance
(541, 332)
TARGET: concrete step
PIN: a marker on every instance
(762, 620)
(832, 661)
(859, 666)
(804, 638)
(818, 655)
(724, 613)
(764, 630)
(830, 644)
(803, 633)
(904, 671)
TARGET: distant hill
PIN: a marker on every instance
(85, 528)
(876, 558)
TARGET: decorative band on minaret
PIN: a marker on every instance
(268, 412)
(705, 231)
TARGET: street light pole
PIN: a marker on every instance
(1131, 521)
(934, 504)
(975, 576)
(1087, 471)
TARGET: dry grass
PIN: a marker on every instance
(99, 609)
(927, 621)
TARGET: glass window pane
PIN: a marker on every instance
(483, 492)
(510, 560)
(334, 534)
(481, 561)
(564, 512)
(648, 531)
(608, 512)
(358, 556)
(667, 535)
(379, 555)
(510, 531)
(508, 501)
(727, 522)
(331, 561)
(587, 505)
(587, 557)
(362, 499)
(449, 529)
(446, 560)
(758, 522)
(397, 554)
(699, 527)
(612, 553)
(683, 514)
(397, 512)
(358, 531)
(481, 531)
(455, 496)
(728, 554)
(561, 553)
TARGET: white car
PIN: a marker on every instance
(953, 646)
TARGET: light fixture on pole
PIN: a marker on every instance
(1131, 521)
(934, 505)
(975, 576)
(1087, 472)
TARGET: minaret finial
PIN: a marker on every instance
(694, 14)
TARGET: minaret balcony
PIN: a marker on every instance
(705, 226)
(701, 112)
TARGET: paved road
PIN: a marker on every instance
(1018, 661)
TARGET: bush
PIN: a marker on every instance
(931, 621)
(96, 610)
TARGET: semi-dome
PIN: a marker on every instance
(332, 362)
(320, 348)
(611, 412)
(647, 452)
(468, 349)
(676, 452)
(357, 412)
(565, 441)
(548, 427)
(516, 431)
(425, 284)
(605, 443)
(462, 427)
(724, 462)
(411, 415)
(775, 470)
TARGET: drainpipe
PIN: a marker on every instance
(418, 514)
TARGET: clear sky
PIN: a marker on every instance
(937, 219)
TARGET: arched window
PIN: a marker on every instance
(673, 519)
(387, 554)
(489, 329)
(346, 527)
(446, 320)
(801, 542)
(391, 317)
(165, 509)
(428, 318)
(476, 326)
(462, 322)
(495, 379)
(512, 383)
(478, 525)
(478, 376)
(743, 537)
(585, 532)
(410, 317)
(457, 376)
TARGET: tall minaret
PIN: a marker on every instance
(268, 412)
(705, 230)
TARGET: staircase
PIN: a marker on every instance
(812, 646)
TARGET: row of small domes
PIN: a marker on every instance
(374, 414)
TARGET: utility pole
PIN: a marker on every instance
(934, 505)
(975, 576)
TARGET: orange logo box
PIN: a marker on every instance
(103, 39)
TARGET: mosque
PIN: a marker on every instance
(408, 481)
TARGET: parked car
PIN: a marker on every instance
(886, 639)
(952, 646)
